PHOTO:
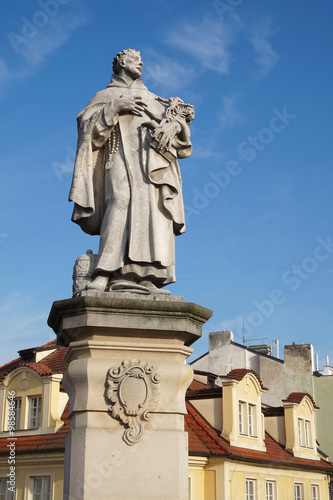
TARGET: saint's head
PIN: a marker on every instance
(129, 62)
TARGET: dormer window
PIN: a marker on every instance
(243, 423)
(247, 417)
(35, 412)
(299, 410)
(304, 433)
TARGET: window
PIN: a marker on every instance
(314, 492)
(250, 489)
(14, 415)
(307, 433)
(41, 488)
(270, 490)
(304, 433)
(300, 433)
(241, 407)
(35, 411)
(247, 419)
(298, 491)
(4, 493)
(251, 420)
(17, 409)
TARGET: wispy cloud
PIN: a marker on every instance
(207, 41)
(50, 38)
(163, 72)
(265, 56)
(207, 152)
(29, 53)
(229, 115)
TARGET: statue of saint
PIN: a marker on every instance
(126, 182)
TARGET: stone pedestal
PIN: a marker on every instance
(126, 381)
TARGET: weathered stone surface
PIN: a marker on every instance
(126, 181)
(126, 381)
(126, 316)
(82, 271)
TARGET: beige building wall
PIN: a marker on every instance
(230, 480)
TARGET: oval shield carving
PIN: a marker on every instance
(133, 389)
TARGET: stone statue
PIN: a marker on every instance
(126, 182)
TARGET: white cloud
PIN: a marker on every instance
(265, 56)
(51, 37)
(207, 41)
(28, 53)
(162, 72)
(206, 152)
(229, 116)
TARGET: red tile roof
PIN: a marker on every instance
(52, 363)
(199, 390)
(205, 440)
(296, 397)
(272, 411)
(240, 373)
(55, 361)
(8, 365)
(48, 345)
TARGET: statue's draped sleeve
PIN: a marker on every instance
(94, 127)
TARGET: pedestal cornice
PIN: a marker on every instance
(122, 315)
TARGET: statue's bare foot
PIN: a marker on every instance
(99, 284)
(153, 288)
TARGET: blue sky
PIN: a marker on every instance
(257, 189)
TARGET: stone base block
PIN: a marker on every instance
(126, 382)
(109, 469)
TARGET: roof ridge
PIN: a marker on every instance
(297, 397)
(16, 360)
(243, 372)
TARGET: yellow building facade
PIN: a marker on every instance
(242, 450)
(239, 449)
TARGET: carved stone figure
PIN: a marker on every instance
(126, 182)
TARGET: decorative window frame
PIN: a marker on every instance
(244, 422)
(301, 484)
(275, 487)
(255, 482)
(39, 407)
(317, 486)
(30, 475)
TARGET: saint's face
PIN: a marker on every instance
(133, 64)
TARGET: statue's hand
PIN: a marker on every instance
(124, 105)
(164, 134)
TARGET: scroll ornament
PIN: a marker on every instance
(133, 390)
